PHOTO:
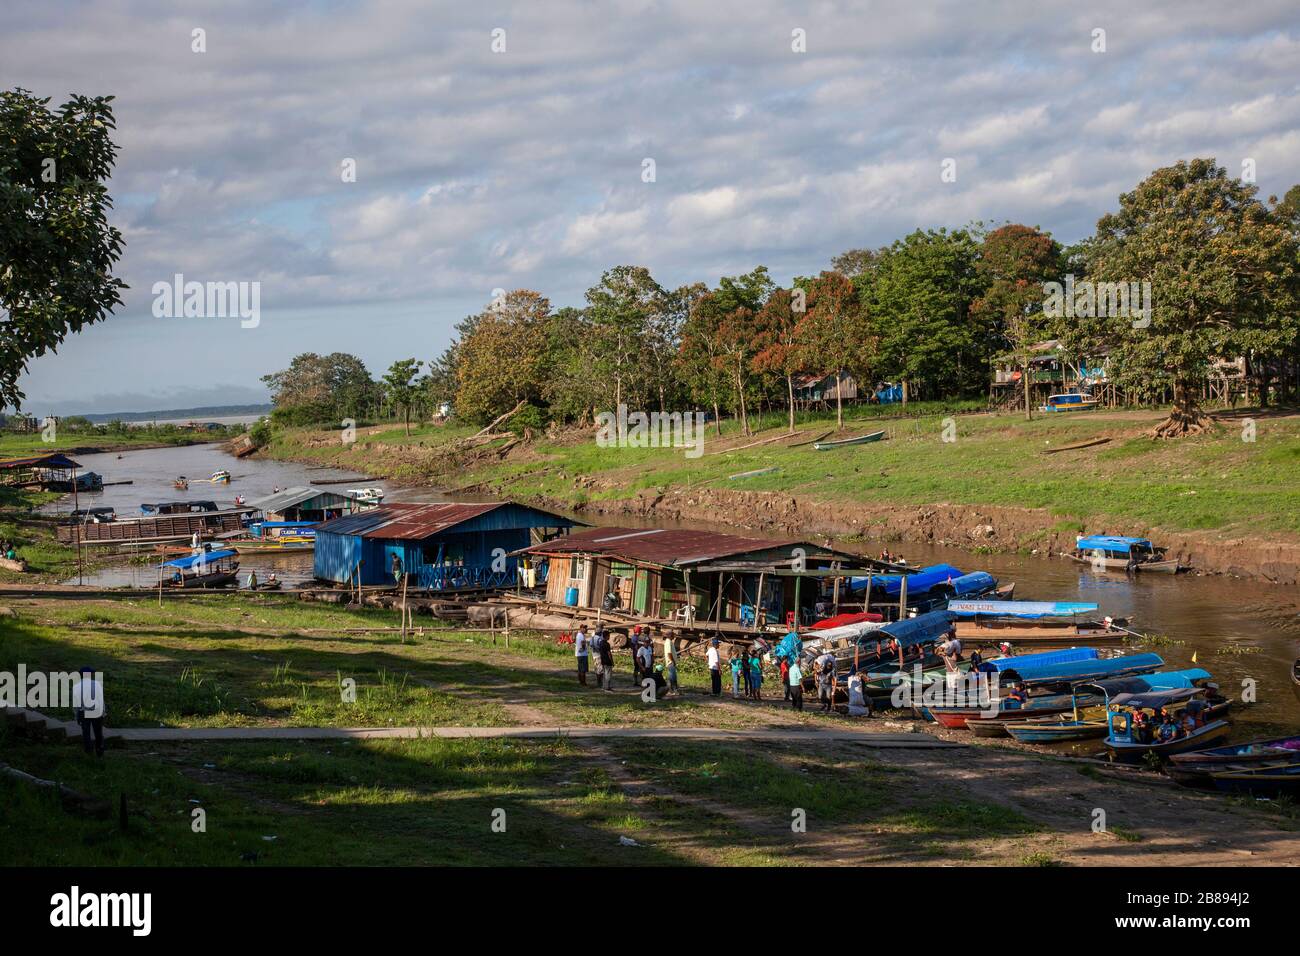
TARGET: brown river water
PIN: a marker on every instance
(1238, 629)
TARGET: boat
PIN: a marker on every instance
(221, 477)
(266, 586)
(1069, 672)
(845, 442)
(181, 484)
(1028, 610)
(277, 536)
(1265, 781)
(1110, 552)
(1127, 742)
(1194, 769)
(1061, 727)
(178, 507)
(842, 620)
(204, 569)
(1069, 402)
(367, 496)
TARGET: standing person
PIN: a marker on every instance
(606, 660)
(634, 644)
(648, 643)
(581, 650)
(88, 706)
(796, 685)
(670, 665)
(735, 677)
(756, 675)
(745, 673)
(785, 678)
(950, 651)
(397, 569)
(645, 659)
(826, 681)
(715, 674)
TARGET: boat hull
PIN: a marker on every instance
(1131, 752)
(846, 442)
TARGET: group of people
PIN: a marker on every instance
(8, 550)
(597, 647)
(1165, 725)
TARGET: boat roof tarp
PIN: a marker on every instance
(1110, 542)
(285, 524)
(203, 557)
(977, 582)
(917, 583)
(1044, 659)
(1020, 609)
(919, 629)
(1161, 680)
(291, 497)
(1155, 699)
(1086, 669)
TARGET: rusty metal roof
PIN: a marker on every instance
(414, 521)
(661, 546)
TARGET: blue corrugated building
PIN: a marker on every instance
(441, 545)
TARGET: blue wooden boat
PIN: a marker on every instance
(1069, 402)
(1127, 742)
(1111, 552)
(1071, 672)
(203, 569)
(1194, 769)
(845, 442)
(1052, 730)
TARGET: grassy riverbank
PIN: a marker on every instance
(1219, 482)
(15, 444)
(33, 537)
(237, 661)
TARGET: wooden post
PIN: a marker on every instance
(76, 506)
(405, 579)
(797, 581)
(835, 605)
(758, 598)
(866, 598)
(902, 597)
(688, 617)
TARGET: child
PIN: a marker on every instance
(735, 677)
(756, 676)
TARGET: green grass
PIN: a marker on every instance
(1214, 481)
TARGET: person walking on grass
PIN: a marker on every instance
(606, 653)
(715, 672)
(825, 668)
(88, 706)
(670, 665)
(581, 651)
(796, 685)
(756, 675)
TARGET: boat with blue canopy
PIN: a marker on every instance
(1065, 673)
(1111, 552)
(202, 569)
(1134, 727)
(1026, 610)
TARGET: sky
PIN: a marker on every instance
(781, 134)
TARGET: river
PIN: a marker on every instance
(1238, 629)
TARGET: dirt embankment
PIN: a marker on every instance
(971, 527)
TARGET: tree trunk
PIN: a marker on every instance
(740, 397)
(1186, 418)
(904, 393)
(789, 387)
(717, 419)
(839, 401)
(1024, 374)
(406, 417)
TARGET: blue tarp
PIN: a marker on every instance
(205, 557)
(1020, 609)
(1027, 662)
(1110, 542)
(790, 647)
(917, 630)
(1087, 669)
(889, 394)
(977, 582)
(917, 583)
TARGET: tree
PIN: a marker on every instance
(833, 338)
(57, 250)
(776, 338)
(725, 316)
(1222, 274)
(503, 362)
(400, 388)
(1015, 261)
(620, 309)
(918, 298)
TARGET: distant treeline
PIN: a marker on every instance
(934, 312)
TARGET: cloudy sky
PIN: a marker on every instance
(478, 170)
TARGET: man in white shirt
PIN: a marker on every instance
(859, 703)
(581, 649)
(88, 705)
(715, 675)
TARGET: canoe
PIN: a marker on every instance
(1260, 781)
(1061, 727)
(1275, 748)
(845, 442)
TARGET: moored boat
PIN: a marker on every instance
(1111, 552)
(1194, 768)
(203, 569)
(181, 483)
(1265, 781)
(1131, 734)
(845, 442)
(1069, 402)
(220, 477)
